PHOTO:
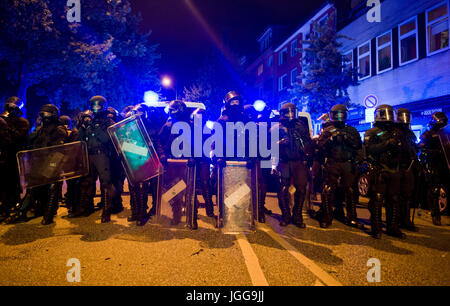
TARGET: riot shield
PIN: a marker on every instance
(176, 191)
(238, 193)
(133, 144)
(53, 164)
(444, 137)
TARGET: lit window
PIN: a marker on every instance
(437, 29)
(293, 48)
(282, 57)
(364, 61)
(384, 52)
(282, 82)
(293, 76)
(347, 61)
(408, 41)
(260, 69)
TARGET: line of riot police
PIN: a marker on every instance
(335, 157)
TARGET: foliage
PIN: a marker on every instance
(104, 54)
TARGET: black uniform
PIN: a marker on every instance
(13, 132)
(295, 155)
(178, 113)
(100, 150)
(383, 148)
(232, 112)
(340, 144)
(408, 168)
(434, 163)
(50, 133)
(203, 171)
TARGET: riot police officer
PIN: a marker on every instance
(383, 148)
(94, 133)
(139, 191)
(435, 165)
(408, 164)
(199, 117)
(13, 132)
(232, 112)
(295, 156)
(50, 133)
(178, 113)
(340, 144)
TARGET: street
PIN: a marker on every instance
(120, 253)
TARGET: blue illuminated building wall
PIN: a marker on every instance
(404, 59)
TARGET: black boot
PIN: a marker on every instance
(107, 205)
(352, 219)
(376, 206)
(394, 224)
(434, 203)
(405, 220)
(52, 205)
(209, 206)
(133, 206)
(326, 209)
(141, 202)
(283, 202)
(297, 218)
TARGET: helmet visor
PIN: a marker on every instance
(404, 118)
(384, 114)
(289, 114)
(338, 116)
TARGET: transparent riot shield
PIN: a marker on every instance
(176, 191)
(444, 137)
(133, 144)
(53, 164)
(238, 193)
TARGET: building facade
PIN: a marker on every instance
(276, 68)
(403, 60)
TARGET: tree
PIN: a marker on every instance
(216, 76)
(326, 74)
(69, 62)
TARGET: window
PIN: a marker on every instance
(270, 62)
(282, 57)
(364, 60)
(347, 60)
(437, 28)
(293, 48)
(408, 41)
(260, 69)
(293, 76)
(282, 82)
(384, 52)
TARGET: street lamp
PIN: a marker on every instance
(167, 82)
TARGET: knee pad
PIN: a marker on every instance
(379, 197)
(327, 189)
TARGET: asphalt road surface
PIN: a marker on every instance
(120, 253)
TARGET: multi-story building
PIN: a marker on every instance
(403, 60)
(276, 68)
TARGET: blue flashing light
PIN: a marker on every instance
(259, 105)
(150, 97)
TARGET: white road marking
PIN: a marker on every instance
(309, 264)
(251, 261)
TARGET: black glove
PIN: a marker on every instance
(221, 162)
(191, 162)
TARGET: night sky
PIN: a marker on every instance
(184, 39)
